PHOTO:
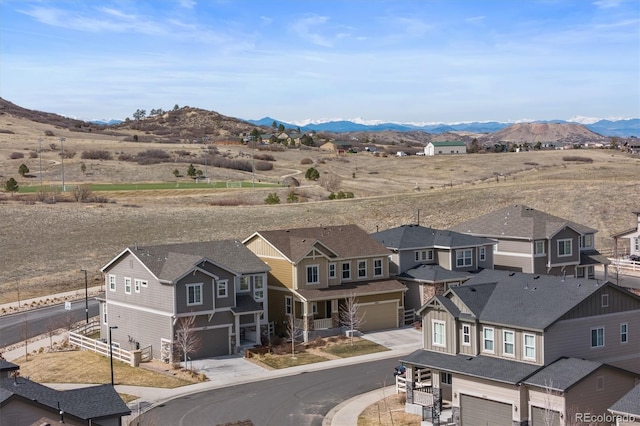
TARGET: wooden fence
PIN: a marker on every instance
(77, 337)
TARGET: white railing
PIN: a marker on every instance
(322, 324)
(423, 398)
(625, 264)
(99, 347)
(422, 379)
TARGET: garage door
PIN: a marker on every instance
(483, 412)
(379, 316)
(213, 342)
(542, 417)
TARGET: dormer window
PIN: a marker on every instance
(423, 255)
(565, 248)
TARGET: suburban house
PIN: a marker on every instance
(633, 235)
(151, 292)
(626, 411)
(536, 242)
(428, 261)
(514, 348)
(24, 402)
(441, 148)
(338, 147)
(315, 272)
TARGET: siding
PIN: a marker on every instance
(450, 331)
(618, 301)
(540, 399)
(281, 273)
(515, 246)
(512, 263)
(498, 342)
(207, 293)
(471, 349)
(323, 273)
(567, 233)
(262, 249)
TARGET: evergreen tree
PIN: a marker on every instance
(23, 169)
(11, 186)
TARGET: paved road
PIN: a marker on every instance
(39, 321)
(303, 399)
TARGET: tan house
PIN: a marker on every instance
(536, 242)
(337, 147)
(314, 271)
(492, 343)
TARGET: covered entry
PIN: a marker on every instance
(379, 315)
(482, 412)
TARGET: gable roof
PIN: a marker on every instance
(85, 403)
(346, 241)
(7, 366)
(518, 221)
(629, 403)
(406, 237)
(170, 261)
(563, 373)
(449, 143)
(523, 300)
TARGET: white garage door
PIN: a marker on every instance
(483, 412)
(379, 316)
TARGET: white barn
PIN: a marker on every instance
(440, 148)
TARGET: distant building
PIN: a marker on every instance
(441, 148)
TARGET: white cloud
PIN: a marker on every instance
(187, 4)
(607, 4)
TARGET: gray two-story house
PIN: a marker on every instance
(428, 261)
(512, 348)
(536, 242)
(149, 289)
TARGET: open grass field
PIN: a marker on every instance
(44, 246)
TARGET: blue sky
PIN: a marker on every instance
(416, 61)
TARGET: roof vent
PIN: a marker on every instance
(512, 274)
(536, 277)
(472, 289)
(470, 358)
(534, 289)
(579, 284)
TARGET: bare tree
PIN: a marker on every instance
(81, 193)
(350, 316)
(293, 333)
(550, 415)
(52, 327)
(330, 182)
(186, 337)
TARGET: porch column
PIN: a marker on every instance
(410, 376)
(237, 329)
(335, 315)
(258, 338)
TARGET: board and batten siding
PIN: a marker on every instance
(207, 292)
(565, 234)
(263, 249)
(450, 331)
(572, 338)
(154, 295)
(472, 347)
(606, 300)
(222, 274)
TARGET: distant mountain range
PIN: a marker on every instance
(620, 128)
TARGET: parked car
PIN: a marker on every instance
(399, 370)
(421, 153)
(634, 258)
(401, 154)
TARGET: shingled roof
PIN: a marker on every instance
(169, 261)
(407, 237)
(344, 241)
(518, 221)
(628, 404)
(563, 373)
(433, 274)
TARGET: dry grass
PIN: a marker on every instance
(388, 412)
(44, 246)
(88, 367)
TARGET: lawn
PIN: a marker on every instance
(359, 347)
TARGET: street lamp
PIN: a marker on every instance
(111, 351)
(86, 295)
(62, 159)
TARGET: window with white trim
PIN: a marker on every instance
(483, 254)
(438, 337)
(112, 282)
(565, 247)
(288, 305)
(508, 343)
(464, 258)
(604, 300)
(194, 294)
(377, 267)
(313, 276)
(332, 270)
(258, 288)
(466, 335)
(136, 285)
(127, 285)
(104, 313)
(487, 337)
(346, 271)
(362, 269)
(529, 342)
(222, 288)
(539, 247)
(244, 284)
(423, 255)
(586, 241)
(597, 337)
(624, 333)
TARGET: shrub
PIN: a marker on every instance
(264, 157)
(33, 154)
(312, 174)
(263, 166)
(126, 157)
(16, 155)
(272, 198)
(67, 154)
(96, 155)
(577, 159)
(306, 161)
(48, 133)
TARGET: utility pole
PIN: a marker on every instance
(62, 160)
(86, 296)
(40, 155)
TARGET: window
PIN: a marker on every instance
(580, 272)
(332, 270)
(488, 339)
(362, 269)
(437, 335)
(463, 258)
(314, 308)
(604, 299)
(194, 294)
(312, 274)
(530, 346)
(222, 288)
(346, 271)
(112, 282)
(104, 313)
(136, 285)
(624, 333)
(243, 285)
(508, 343)
(377, 267)
(564, 248)
(483, 254)
(538, 247)
(258, 287)
(466, 335)
(445, 378)
(597, 337)
(288, 305)
(423, 255)
(587, 241)
(636, 243)
(127, 285)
